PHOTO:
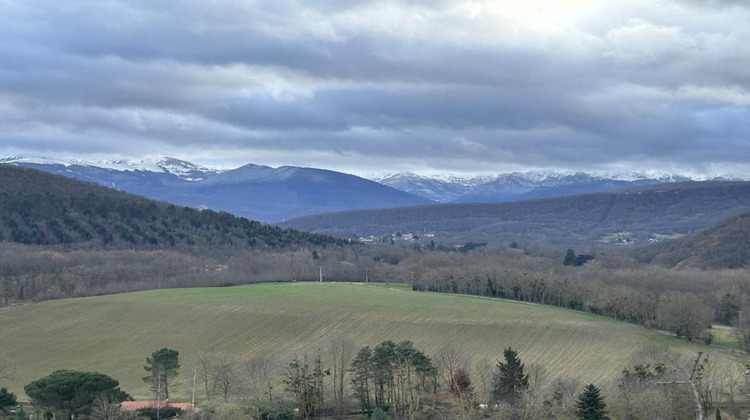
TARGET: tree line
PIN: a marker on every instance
(391, 379)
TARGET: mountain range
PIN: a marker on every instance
(276, 194)
(253, 191)
(519, 186)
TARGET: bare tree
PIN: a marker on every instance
(448, 360)
(258, 377)
(218, 371)
(341, 354)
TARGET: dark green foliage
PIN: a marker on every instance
(729, 308)
(570, 257)
(38, 208)
(391, 377)
(162, 366)
(153, 413)
(576, 260)
(718, 415)
(73, 392)
(590, 404)
(362, 371)
(7, 399)
(509, 380)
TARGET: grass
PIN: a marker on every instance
(724, 336)
(114, 334)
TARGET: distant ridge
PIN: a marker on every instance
(519, 186)
(633, 216)
(253, 191)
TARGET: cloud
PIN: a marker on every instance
(364, 86)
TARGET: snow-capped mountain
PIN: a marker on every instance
(253, 191)
(441, 189)
(516, 186)
(179, 168)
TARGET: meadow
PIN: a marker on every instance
(114, 334)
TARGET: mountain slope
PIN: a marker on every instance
(641, 213)
(253, 191)
(725, 245)
(438, 189)
(38, 208)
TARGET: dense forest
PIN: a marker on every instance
(37, 208)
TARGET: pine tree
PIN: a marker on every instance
(162, 366)
(590, 404)
(7, 399)
(509, 380)
(570, 257)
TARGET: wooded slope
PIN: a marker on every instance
(726, 245)
(38, 208)
(641, 213)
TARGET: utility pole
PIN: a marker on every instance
(158, 395)
(195, 373)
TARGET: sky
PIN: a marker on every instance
(427, 86)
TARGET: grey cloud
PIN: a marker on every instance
(268, 78)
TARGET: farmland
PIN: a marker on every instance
(113, 334)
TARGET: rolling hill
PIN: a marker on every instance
(634, 215)
(114, 334)
(38, 208)
(726, 245)
(253, 191)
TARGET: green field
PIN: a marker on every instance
(114, 334)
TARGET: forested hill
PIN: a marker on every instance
(726, 245)
(39, 208)
(633, 216)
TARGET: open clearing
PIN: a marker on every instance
(114, 334)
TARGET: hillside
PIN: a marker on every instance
(114, 334)
(726, 245)
(253, 191)
(37, 208)
(639, 214)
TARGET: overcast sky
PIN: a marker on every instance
(431, 86)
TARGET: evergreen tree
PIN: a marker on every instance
(162, 366)
(509, 380)
(570, 257)
(590, 404)
(7, 399)
(362, 377)
(73, 392)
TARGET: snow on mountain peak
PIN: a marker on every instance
(179, 168)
